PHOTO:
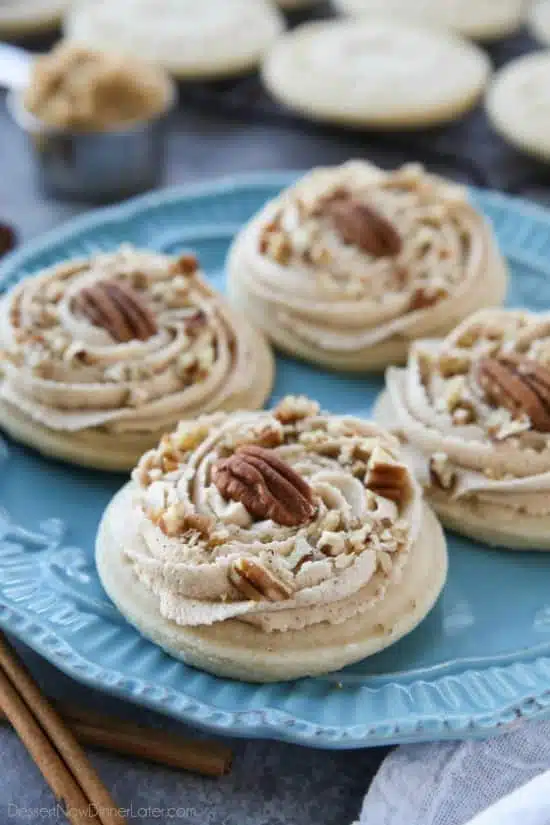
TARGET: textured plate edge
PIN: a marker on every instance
(285, 727)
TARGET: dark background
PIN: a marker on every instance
(232, 126)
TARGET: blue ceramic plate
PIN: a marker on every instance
(478, 663)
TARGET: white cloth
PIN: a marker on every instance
(528, 805)
(465, 783)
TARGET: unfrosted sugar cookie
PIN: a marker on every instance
(272, 545)
(352, 263)
(539, 20)
(473, 410)
(22, 17)
(480, 19)
(518, 103)
(99, 357)
(375, 73)
(189, 38)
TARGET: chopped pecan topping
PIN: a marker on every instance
(186, 264)
(361, 225)
(295, 408)
(464, 413)
(277, 246)
(519, 385)
(196, 322)
(118, 309)
(175, 521)
(386, 477)
(424, 297)
(451, 364)
(442, 474)
(254, 581)
(267, 486)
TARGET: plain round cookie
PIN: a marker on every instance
(191, 39)
(376, 73)
(518, 103)
(241, 651)
(121, 451)
(488, 524)
(479, 19)
(538, 20)
(27, 17)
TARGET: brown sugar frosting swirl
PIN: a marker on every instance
(351, 263)
(124, 344)
(474, 409)
(276, 518)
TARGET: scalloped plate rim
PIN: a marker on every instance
(277, 723)
(282, 727)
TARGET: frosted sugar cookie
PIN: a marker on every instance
(376, 73)
(480, 19)
(26, 17)
(352, 263)
(518, 103)
(189, 38)
(99, 357)
(474, 412)
(272, 545)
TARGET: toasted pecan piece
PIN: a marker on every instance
(254, 581)
(386, 477)
(518, 384)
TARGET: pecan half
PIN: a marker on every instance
(361, 225)
(254, 581)
(118, 309)
(267, 486)
(519, 385)
(386, 477)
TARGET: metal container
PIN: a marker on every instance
(94, 166)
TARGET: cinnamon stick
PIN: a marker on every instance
(128, 739)
(66, 789)
(96, 729)
(44, 734)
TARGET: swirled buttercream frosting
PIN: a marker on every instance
(353, 262)
(277, 518)
(121, 346)
(474, 411)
